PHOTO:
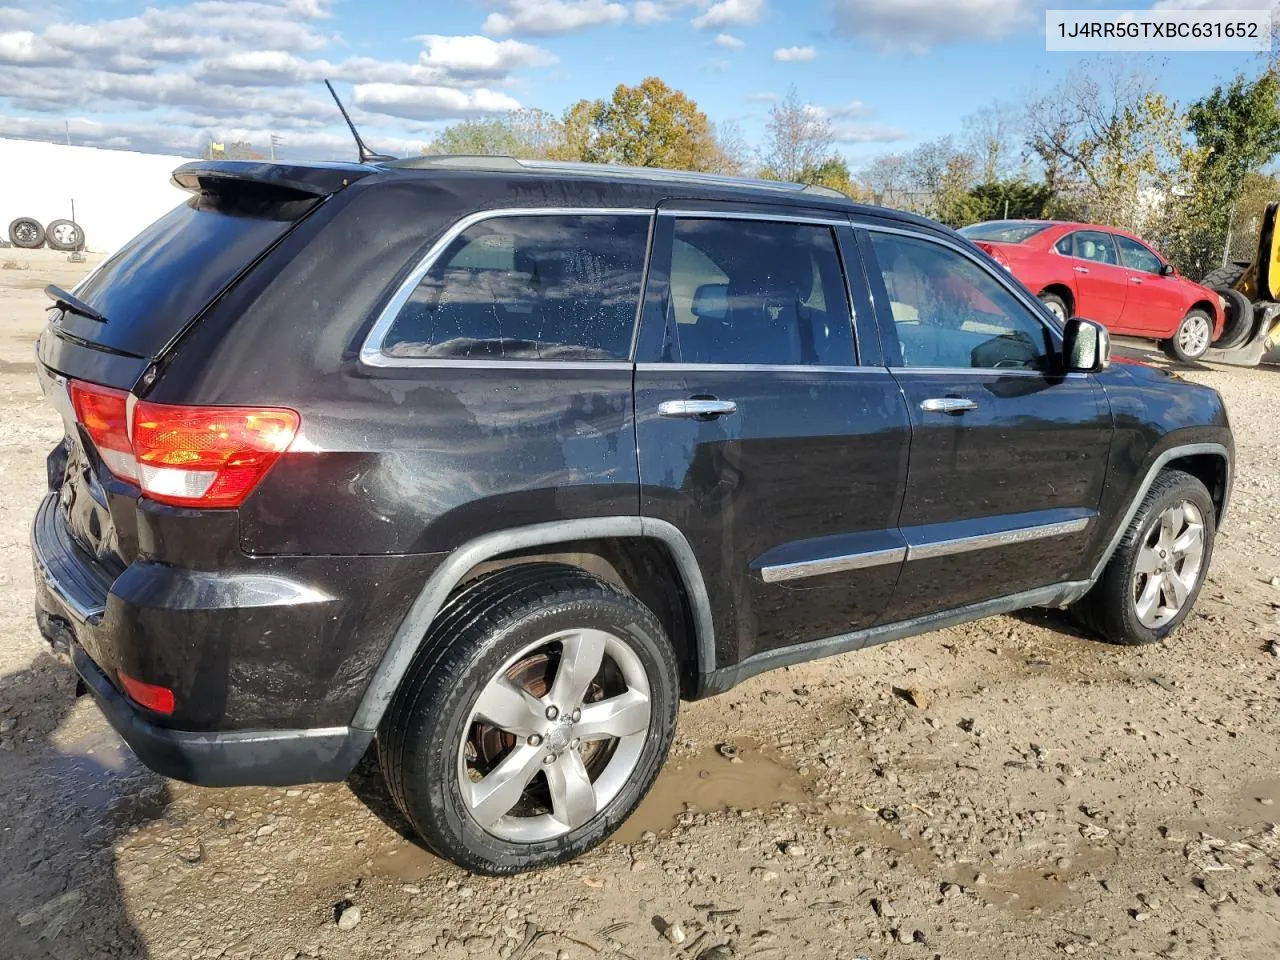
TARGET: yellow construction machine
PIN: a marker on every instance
(1251, 299)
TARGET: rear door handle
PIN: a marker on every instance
(948, 405)
(1135, 279)
(1080, 269)
(697, 409)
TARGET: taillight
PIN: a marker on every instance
(104, 414)
(207, 456)
(994, 252)
(184, 455)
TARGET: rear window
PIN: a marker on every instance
(161, 279)
(554, 287)
(1002, 231)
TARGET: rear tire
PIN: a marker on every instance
(1111, 609)
(1239, 319)
(27, 233)
(1191, 339)
(1057, 306)
(499, 646)
(64, 235)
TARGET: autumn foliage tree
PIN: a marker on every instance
(648, 125)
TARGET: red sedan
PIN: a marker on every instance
(1107, 275)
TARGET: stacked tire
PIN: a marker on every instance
(1238, 328)
(28, 233)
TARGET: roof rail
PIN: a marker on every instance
(454, 161)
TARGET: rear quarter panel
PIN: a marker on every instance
(396, 460)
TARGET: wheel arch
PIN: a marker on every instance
(1065, 292)
(1206, 461)
(1215, 314)
(623, 550)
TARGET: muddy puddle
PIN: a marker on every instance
(708, 782)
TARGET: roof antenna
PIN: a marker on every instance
(366, 155)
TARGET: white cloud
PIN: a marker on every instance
(1211, 5)
(223, 68)
(854, 108)
(916, 25)
(480, 55)
(730, 13)
(24, 47)
(867, 133)
(550, 17)
(647, 12)
(728, 41)
(430, 103)
(794, 54)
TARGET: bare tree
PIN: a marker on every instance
(992, 135)
(797, 137)
(1110, 141)
(885, 180)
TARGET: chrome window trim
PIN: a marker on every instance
(781, 572)
(1004, 538)
(765, 215)
(657, 367)
(1032, 303)
(985, 372)
(371, 352)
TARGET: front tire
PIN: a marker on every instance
(1153, 579)
(533, 720)
(1190, 341)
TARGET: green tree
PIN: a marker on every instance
(1016, 199)
(1237, 132)
(648, 125)
(832, 172)
(528, 133)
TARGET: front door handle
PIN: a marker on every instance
(697, 408)
(1080, 269)
(948, 405)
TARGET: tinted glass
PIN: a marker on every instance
(1002, 231)
(1095, 246)
(561, 287)
(1064, 245)
(950, 312)
(1137, 256)
(754, 291)
(161, 279)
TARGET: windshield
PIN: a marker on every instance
(1002, 231)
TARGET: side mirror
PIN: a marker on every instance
(1167, 270)
(1086, 346)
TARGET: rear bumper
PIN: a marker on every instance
(241, 758)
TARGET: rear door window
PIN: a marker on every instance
(536, 287)
(1096, 246)
(756, 291)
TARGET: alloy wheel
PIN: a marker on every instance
(1169, 564)
(1056, 309)
(64, 234)
(554, 735)
(1193, 336)
(26, 233)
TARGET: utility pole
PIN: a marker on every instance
(67, 126)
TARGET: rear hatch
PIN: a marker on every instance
(150, 292)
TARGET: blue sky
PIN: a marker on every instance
(167, 77)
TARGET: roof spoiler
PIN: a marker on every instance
(302, 180)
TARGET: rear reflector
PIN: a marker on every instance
(184, 455)
(149, 695)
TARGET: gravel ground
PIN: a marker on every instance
(1008, 788)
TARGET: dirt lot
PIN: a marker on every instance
(1048, 796)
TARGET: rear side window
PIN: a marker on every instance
(756, 291)
(164, 277)
(553, 287)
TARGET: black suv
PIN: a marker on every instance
(494, 462)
